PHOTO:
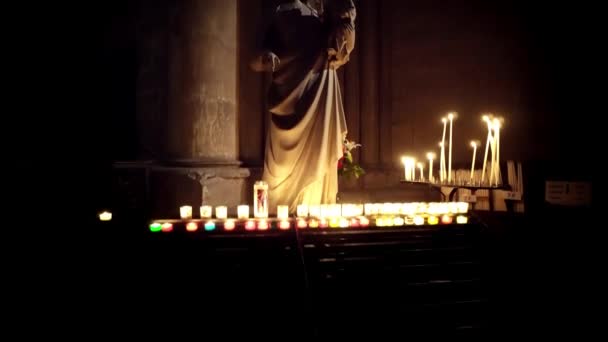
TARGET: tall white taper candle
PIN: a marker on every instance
(486, 119)
(474, 145)
(451, 117)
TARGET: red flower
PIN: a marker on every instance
(340, 163)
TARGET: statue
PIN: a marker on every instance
(307, 126)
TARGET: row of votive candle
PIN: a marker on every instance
(334, 222)
(374, 209)
(340, 210)
(221, 212)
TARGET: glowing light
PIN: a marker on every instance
(314, 211)
(302, 210)
(250, 225)
(260, 199)
(301, 223)
(209, 226)
(313, 223)
(325, 210)
(461, 219)
(370, 209)
(221, 212)
(334, 222)
(380, 221)
(418, 220)
(354, 222)
(462, 207)
(446, 219)
(155, 227)
(229, 225)
(433, 220)
(358, 210)
(282, 212)
(191, 226)
(185, 212)
(206, 211)
(242, 212)
(167, 227)
(105, 216)
(344, 222)
(409, 165)
(398, 221)
(323, 223)
(284, 225)
(263, 225)
(363, 221)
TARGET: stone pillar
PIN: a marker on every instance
(201, 146)
(367, 40)
(202, 80)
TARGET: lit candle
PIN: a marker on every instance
(451, 117)
(474, 145)
(105, 216)
(486, 119)
(155, 227)
(229, 225)
(369, 209)
(191, 226)
(243, 212)
(442, 145)
(418, 220)
(430, 156)
(461, 219)
(497, 124)
(335, 210)
(250, 225)
(263, 225)
(462, 207)
(446, 219)
(314, 210)
(302, 210)
(409, 165)
(282, 212)
(209, 226)
(167, 227)
(185, 212)
(493, 163)
(347, 210)
(221, 212)
(421, 168)
(206, 211)
(358, 210)
(398, 221)
(302, 223)
(363, 221)
(284, 225)
(325, 210)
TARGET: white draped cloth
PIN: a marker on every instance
(307, 126)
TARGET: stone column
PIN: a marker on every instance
(201, 145)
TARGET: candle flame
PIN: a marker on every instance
(451, 116)
(430, 156)
(498, 122)
(444, 120)
(419, 165)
